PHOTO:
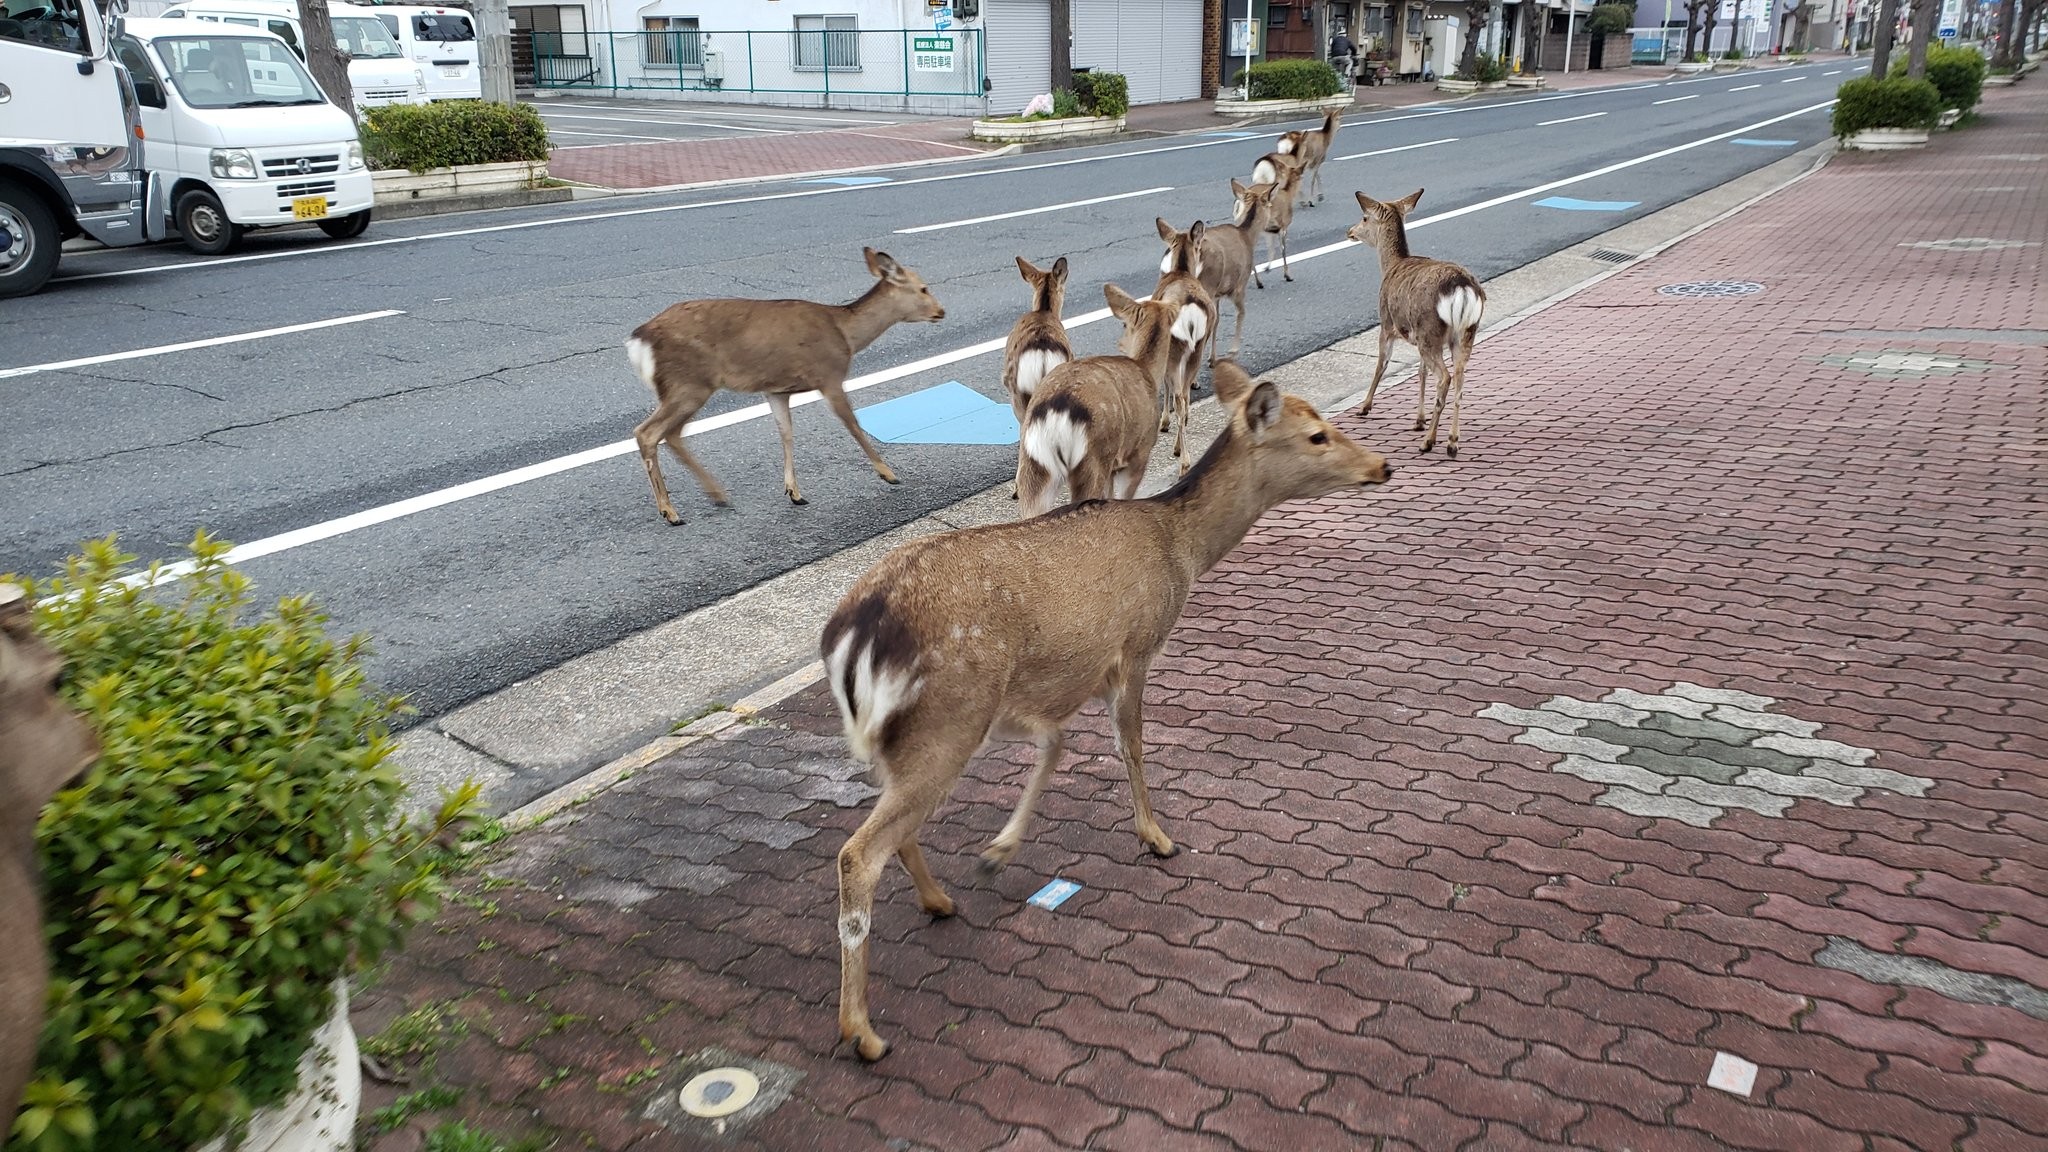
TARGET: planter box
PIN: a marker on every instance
(320, 1115)
(1525, 81)
(1230, 106)
(1949, 116)
(1999, 81)
(1462, 86)
(461, 180)
(1029, 131)
(1888, 139)
(1690, 69)
(1492, 85)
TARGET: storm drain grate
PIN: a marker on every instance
(1610, 256)
(1711, 289)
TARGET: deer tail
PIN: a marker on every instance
(1460, 307)
(871, 663)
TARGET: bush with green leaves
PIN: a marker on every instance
(1065, 104)
(237, 848)
(450, 132)
(1957, 73)
(1103, 93)
(1292, 80)
(1893, 102)
(1608, 19)
(1491, 69)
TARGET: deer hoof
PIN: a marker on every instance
(797, 498)
(1427, 445)
(871, 1047)
(674, 521)
(1451, 451)
(940, 908)
(990, 863)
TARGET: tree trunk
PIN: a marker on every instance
(1468, 60)
(1881, 35)
(1735, 30)
(2008, 27)
(1063, 44)
(1925, 13)
(328, 63)
(1707, 30)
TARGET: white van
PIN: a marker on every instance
(442, 41)
(379, 72)
(236, 135)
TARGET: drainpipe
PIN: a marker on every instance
(1569, 19)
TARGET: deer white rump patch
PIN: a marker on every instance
(878, 693)
(1265, 173)
(853, 930)
(1192, 325)
(1056, 442)
(1460, 308)
(641, 354)
(1286, 147)
(1032, 366)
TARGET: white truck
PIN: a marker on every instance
(379, 72)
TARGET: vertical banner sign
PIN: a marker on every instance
(1951, 16)
(931, 53)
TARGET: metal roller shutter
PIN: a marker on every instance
(1155, 44)
(1019, 36)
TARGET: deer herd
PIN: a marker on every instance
(1007, 631)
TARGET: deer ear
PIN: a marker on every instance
(881, 263)
(1059, 269)
(1231, 382)
(1029, 270)
(1406, 204)
(1165, 230)
(1195, 232)
(1262, 408)
(1365, 203)
(1237, 189)
(1120, 301)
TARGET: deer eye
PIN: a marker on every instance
(1319, 438)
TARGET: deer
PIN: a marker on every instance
(1007, 630)
(1285, 173)
(1090, 426)
(1180, 282)
(1037, 344)
(775, 348)
(45, 747)
(1433, 304)
(1226, 257)
(1309, 148)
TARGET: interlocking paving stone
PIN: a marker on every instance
(1764, 721)
(1705, 731)
(1727, 696)
(1628, 697)
(1668, 765)
(1593, 710)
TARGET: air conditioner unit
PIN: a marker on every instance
(714, 68)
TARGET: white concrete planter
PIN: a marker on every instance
(1690, 69)
(1493, 85)
(320, 1115)
(1030, 131)
(1230, 106)
(1888, 139)
(1949, 116)
(1460, 86)
(1525, 81)
(461, 180)
(1999, 81)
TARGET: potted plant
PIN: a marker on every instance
(236, 853)
(1888, 114)
(1095, 106)
(1284, 87)
(1699, 62)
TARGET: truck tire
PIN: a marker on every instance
(29, 242)
(347, 227)
(205, 225)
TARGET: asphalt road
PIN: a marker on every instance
(502, 351)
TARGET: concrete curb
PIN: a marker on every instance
(476, 202)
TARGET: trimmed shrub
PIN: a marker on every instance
(1490, 69)
(235, 851)
(1957, 73)
(1102, 93)
(1065, 105)
(1893, 102)
(1607, 19)
(1292, 80)
(451, 132)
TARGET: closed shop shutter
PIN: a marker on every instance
(1155, 44)
(1019, 36)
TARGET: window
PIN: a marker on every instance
(827, 43)
(365, 38)
(58, 25)
(290, 35)
(447, 28)
(672, 41)
(236, 72)
(1276, 17)
(149, 90)
(556, 29)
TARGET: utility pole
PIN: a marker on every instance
(1570, 18)
(327, 62)
(494, 36)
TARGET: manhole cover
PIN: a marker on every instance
(1900, 365)
(1712, 288)
(1971, 244)
(719, 1092)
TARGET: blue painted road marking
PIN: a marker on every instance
(850, 181)
(1766, 143)
(1054, 894)
(1571, 205)
(949, 413)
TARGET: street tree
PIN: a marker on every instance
(326, 60)
(1925, 13)
(1882, 33)
(1694, 9)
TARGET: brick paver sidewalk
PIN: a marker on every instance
(704, 161)
(1699, 707)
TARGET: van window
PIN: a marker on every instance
(443, 29)
(148, 89)
(364, 38)
(284, 31)
(236, 72)
(390, 22)
(46, 24)
(245, 21)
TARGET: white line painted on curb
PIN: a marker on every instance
(1676, 99)
(326, 530)
(189, 345)
(1570, 119)
(1032, 211)
(1391, 151)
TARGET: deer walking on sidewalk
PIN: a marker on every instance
(1227, 261)
(776, 348)
(1433, 304)
(1008, 630)
(1285, 173)
(1309, 148)
(1037, 344)
(1090, 426)
(1180, 282)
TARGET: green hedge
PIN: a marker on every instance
(1608, 19)
(1292, 80)
(1102, 93)
(1893, 102)
(1957, 73)
(236, 849)
(451, 132)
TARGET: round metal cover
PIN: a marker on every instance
(1712, 288)
(719, 1092)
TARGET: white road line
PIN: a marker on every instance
(1031, 211)
(672, 123)
(1745, 87)
(1676, 99)
(189, 345)
(1391, 151)
(630, 139)
(1791, 79)
(1836, 72)
(1570, 119)
(326, 530)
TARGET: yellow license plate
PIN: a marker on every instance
(309, 207)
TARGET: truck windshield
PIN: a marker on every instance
(365, 38)
(236, 72)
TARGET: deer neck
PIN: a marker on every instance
(1212, 507)
(864, 320)
(1155, 352)
(1393, 247)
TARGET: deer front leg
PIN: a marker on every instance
(885, 832)
(779, 405)
(1286, 273)
(1051, 746)
(1127, 700)
(835, 396)
(1379, 370)
(1237, 337)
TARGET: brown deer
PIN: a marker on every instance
(1090, 426)
(1180, 282)
(1282, 171)
(1038, 344)
(776, 348)
(1309, 148)
(1227, 260)
(1432, 304)
(44, 748)
(1007, 630)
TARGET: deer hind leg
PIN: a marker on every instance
(1036, 488)
(835, 396)
(1422, 394)
(930, 896)
(1183, 385)
(1127, 701)
(1286, 273)
(1458, 359)
(1051, 747)
(666, 426)
(1236, 338)
(1379, 370)
(779, 405)
(1443, 392)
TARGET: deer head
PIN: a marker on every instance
(1292, 452)
(1383, 221)
(1254, 204)
(1147, 324)
(1183, 249)
(902, 294)
(1048, 288)
(44, 745)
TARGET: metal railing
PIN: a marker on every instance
(828, 62)
(1667, 45)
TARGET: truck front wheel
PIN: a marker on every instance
(205, 225)
(28, 241)
(347, 227)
